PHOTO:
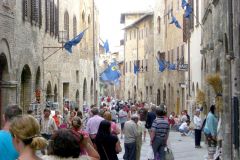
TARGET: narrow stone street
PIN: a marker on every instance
(182, 148)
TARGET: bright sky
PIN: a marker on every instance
(109, 17)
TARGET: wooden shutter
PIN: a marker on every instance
(56, 20)
(25, 9)
(40, 13)
(52, 17)
(47, 15)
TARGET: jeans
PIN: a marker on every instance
(158, 146)
(130, 151)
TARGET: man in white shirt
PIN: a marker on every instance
(184, 128)
(47, 124)
(198, 128)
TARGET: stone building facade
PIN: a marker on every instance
(169, 46)
(220, 49)
(33, 59)
(138, 51)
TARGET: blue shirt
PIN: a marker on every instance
(211, 124)
(7, 149)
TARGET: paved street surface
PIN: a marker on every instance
(183, 148)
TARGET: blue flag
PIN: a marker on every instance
(175, 21)
(136, 69)
(184, 3)
(68, 45)
(171, 66)
(111, 73)
(188, 11)
(161, 65)
(106, 46)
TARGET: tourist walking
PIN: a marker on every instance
(122, 116)
(210, 131)
(198, 128)
(159, 134)
(47, 124)
(131, 133)
(93, 123)
(7, 149)
(108, 145)
(150, 117)
(25, 131)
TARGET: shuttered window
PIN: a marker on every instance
(66, 24)
(40, 13)
(56, 20)
(25, 9)
(74, 26)
(52, 17)
(47, 15)
(32, 11)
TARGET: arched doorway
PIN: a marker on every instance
(129, 95)
(26, 88)
(38, 86)
(84, 90)
(158, 97)
(141, 97)
(55, 93)
(4, 76)
(91, 91)
(164, 94)
(135, 94)
(77, 98)
(49, 91)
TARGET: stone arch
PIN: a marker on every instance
(158, 97)
(4, 48)
(77, 98)
(91, 91)
(55, 93)
(26, 88)
(38, 86)
(49, 91)
(164, 94)
(84, 90)
(4, 77)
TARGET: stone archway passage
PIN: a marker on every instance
(26, 88)
(49, 91)
(4, 76)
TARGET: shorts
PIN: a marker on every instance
(122, 125)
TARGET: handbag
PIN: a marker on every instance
(169, 154)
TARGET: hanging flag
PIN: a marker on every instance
(188, 11)
(161, 65)
(106, 46)
(184, 3)
(136, 69)
(111, 73)
(175, 21)
(171, 66)
(68, 45)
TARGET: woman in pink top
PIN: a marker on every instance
(114, 128)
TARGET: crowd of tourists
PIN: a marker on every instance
(94, 134)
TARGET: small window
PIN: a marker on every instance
(159, 24)
(66, 23)
(74, 26)
(77, 76)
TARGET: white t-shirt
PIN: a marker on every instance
(183, 126)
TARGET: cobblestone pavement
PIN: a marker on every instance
(183, 148)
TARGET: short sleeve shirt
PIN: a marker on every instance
(7, 149)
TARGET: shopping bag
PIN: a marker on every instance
(169, 154)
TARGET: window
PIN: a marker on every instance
(182, 56)
(172, 55)
(89, 19)
(146, 66)
(168, 56)
(191, 26)
(134, 33)
(159, 24)
(47, 15)
(126, 66)
(56, 20)
(51, 18)
(83, 17)
(130, 35)
(66, 23)
(32, 11)
(77, 76)
(74, 26)
(197, 12)
(130, 67)
(177, 54)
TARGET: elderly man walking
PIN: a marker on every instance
(131, 133)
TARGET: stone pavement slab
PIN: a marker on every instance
(183, 147)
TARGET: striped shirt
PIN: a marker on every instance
(161, 127)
